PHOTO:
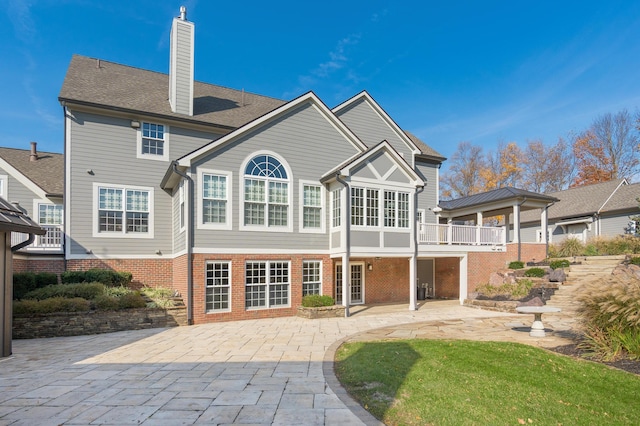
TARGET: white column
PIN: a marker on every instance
(464, 284)
(506, 227)
(516, 223)
(478, 225)
(413, 281)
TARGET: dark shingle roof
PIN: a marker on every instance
(426, 149)
(47, 172)
(499, 194)
(626, 197)
(107, 84)
(581, 201)
(11, 219)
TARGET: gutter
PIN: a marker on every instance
(188, 242)
(346, 269)
(32, 238)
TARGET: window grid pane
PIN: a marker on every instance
(403, 210)
(335, 207)
(253, 214)
(214, 187)
(311, 277)
(110, 199)
(278, 192)
(372, 207)
(389, 208)
(357, 206)
(113, 210)
(152, 139)
(50, 214)
(255, 282)
(278, 215)
(217, 286)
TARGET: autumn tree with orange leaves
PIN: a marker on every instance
(609, 149)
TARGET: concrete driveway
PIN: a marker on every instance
(256, 372)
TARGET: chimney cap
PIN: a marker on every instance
(183, 13)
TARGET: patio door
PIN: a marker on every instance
(357, 283)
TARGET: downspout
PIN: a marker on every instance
(346, 269)
(32, 238)
(413, 289)
(188, 242)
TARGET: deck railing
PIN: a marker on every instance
(432, 233)
(52, 240)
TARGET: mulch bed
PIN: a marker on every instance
(629, 365)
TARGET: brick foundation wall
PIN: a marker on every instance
(238, 310)
(481, 265)
(25, 264)
(387, 282)
(146, 272)
(447, 277)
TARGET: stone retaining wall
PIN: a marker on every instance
(95, 322)
(336, 311)
(492, 305)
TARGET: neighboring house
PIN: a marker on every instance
(597, 210)
(245, 203)
(33, 182)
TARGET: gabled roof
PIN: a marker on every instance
(625, 198)
(307, 98)
(580, 201)
(98, 83)
(500, 194)
(344, 168)
(13, 220)
(46, 173)
(412, 141)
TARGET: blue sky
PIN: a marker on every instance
(484, 72)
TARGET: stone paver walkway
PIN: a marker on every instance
(266, 372)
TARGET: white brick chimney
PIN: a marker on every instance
(181, 64)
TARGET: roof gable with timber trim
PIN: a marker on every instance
(307, 99)
(349, 166)
(417, 146)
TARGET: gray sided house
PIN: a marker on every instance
(245, 203)
(598, 210)
(33, 182)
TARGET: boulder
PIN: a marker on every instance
(536, 301)
(557, 276)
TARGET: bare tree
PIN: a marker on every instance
(463, 176)
(548, 168)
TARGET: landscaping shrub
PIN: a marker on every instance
(84, 290)
(570, 247)
(514, 291)
(105, 276)
(316, 300)
(47, 306)
(516, 264)
(611, 314)
(23, 282)
(560, 263)
(161, 297)
(44, 279)
(106, 303)
(635, 260)
(535, 272)
(132, 300)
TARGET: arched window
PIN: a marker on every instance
(266, 192)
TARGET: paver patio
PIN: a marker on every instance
(259, 372)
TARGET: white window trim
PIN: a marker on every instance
(336, 194)
(165, 149)
(267, 284)
(218, 311)
(290, 183)
(36, 209)
(381, 210)
(200, 200)
(321, 277)
(4, 187)
(96, 217)
(323, 216)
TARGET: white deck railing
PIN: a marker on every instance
(52, 240)
(431, 233)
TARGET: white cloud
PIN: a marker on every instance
(19, 12)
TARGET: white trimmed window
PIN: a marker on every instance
(267, 284)
(181, 208)
(266, 194)
(365, 206)
(218, 287)
(50, 216)
(312, 211)
(396, 209)
(372, 207)
(123, 211)
(153, 141)
(214, 205)
(357, 206)
(3, 186)
(335, 208)
(311, 277)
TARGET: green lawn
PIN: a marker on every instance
(442, 382)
